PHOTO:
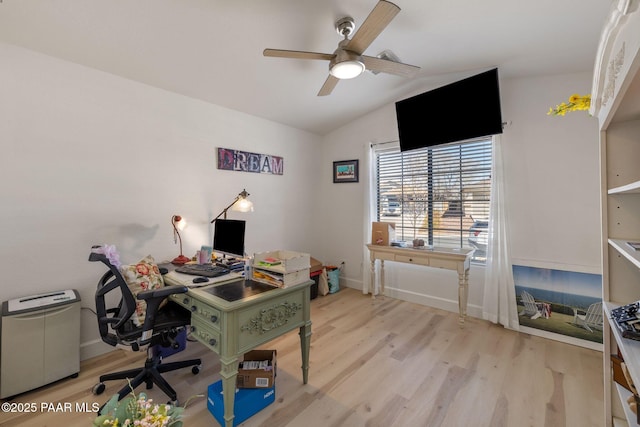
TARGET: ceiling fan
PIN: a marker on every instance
(348, 60)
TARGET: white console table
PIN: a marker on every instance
(451, 259)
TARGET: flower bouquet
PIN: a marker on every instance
(138, 411)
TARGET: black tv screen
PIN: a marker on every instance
(228, 237)
(469, 108)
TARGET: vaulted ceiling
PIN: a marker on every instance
(212, 49)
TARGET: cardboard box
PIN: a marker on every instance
(618, 375)
(383, 233)
(248, 402)
(315, 266)
(257, 378)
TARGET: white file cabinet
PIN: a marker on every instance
(39, 341)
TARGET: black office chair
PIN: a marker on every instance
(160, 329)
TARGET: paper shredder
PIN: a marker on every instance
(39, 341)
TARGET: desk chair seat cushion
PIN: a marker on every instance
(142, 276)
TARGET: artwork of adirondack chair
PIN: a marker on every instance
(530, 306)
(592, 319)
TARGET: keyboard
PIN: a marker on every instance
(204, 270)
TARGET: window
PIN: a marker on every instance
(438, 194)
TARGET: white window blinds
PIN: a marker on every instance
(439, 194)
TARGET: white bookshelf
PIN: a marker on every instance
(616, 104)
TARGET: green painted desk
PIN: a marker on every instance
(233, 317)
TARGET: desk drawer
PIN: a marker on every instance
(204, 312)
(444, 263)
(182, 299)
(207, 314)
(412, 259)
(385, 256)
(205, 334)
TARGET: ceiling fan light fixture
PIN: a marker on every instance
(348, 60)
(347, 69)
(346, 65)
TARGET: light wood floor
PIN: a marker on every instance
(380, 363)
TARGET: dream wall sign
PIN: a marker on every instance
(244, 161)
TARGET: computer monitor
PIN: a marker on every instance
(228, 237)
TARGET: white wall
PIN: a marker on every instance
(553, 180)
(91, 158)
(552, 191)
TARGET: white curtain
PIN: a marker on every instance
(499, 304)
(369, 179)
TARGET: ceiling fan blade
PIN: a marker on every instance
(385, 66)
(297, 54)
(328, 86)
(378, 19)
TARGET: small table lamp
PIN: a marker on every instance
(178, 223)
(241, 204)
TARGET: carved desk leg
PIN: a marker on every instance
(229, 374)
(305, 342)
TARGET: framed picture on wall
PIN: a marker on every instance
(345, 171)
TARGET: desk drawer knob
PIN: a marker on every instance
(213, 342)
(214, 318)
(185, 301)
(193, 328)
(194, 308)
(410, 259)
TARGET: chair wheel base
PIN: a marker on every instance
(98, 389)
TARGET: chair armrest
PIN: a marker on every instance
(154, 297)
(161, 293)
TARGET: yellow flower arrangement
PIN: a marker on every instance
(138, 411)
(576, 102)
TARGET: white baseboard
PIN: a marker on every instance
(93, 348)
(431, 301)
(422, 299)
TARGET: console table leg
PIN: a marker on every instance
(305, 342)
(466, 292)
(372, 285)
(229, 374)
(382, 277)
(463, 289)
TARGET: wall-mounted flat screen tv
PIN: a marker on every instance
(469, 108)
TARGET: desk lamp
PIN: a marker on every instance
(178, 223)
(241, 204)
